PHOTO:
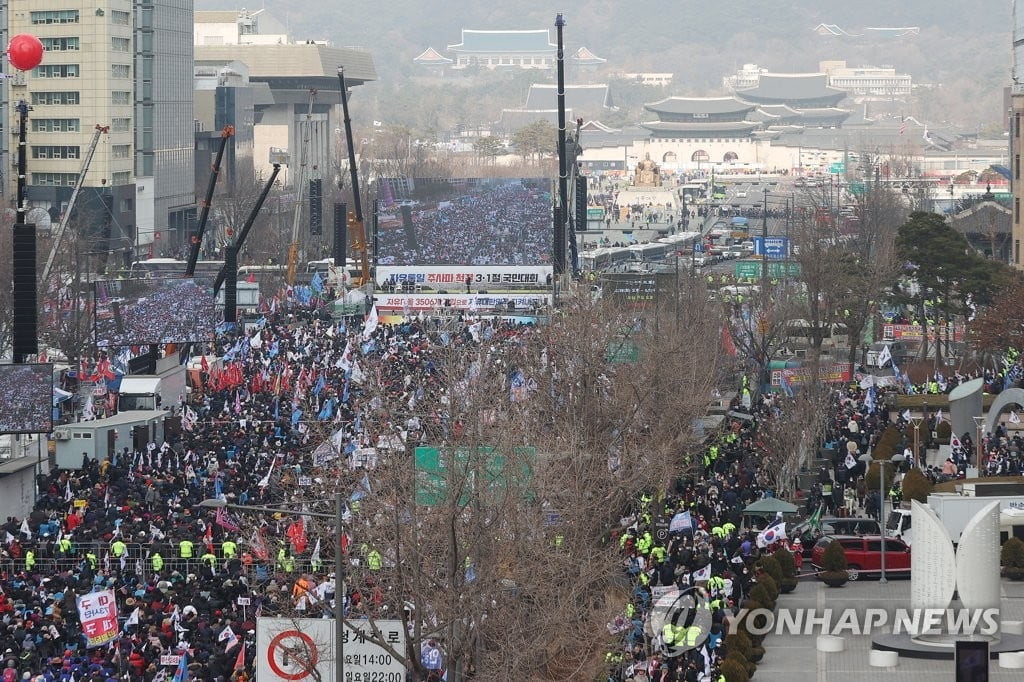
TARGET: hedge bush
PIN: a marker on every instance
(1012, 559)
(916, 486)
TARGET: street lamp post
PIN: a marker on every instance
(979, 423)
(896, 459)
(339, 565)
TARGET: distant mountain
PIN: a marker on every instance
(698, 41)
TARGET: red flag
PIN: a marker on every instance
(204, 364)
(296, 532)
(259, 547)
(208, 538)
(240, 661)
(727, 342)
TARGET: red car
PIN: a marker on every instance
(864, 554)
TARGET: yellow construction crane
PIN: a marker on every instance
(300, 186)
(63, 226)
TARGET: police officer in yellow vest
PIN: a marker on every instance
(374, 561)
(229, 548)
(64, 547)
(30, 560)
(118, 548)
(185, 550)
(209, 558)
(94, 562)
(157, 562)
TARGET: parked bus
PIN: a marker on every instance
(605, 258)
(169, 267)
(654, 252)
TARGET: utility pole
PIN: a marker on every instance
(764, 243)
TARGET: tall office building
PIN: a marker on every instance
(1016, 133)
(85, 80)
(126, 64)
(164, 124)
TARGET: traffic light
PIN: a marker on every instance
(316, 213)
(581, 203)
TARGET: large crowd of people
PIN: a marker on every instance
(26, 394)
(131, 523)
(501, 223)
(156, 311)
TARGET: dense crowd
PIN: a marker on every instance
(693, 539)
(507, 223)
(131, 523)
(26, 395)
(164, 311)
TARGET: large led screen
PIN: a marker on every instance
(26, 398)
(466, 222)
(133, 312)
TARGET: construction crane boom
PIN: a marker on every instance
(293, 248)
(355, 220)
(63, 225)
(204, 213)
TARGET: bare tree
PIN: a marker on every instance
(492, 538)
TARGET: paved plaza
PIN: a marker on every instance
(794, 657)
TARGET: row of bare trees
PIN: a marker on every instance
(502, 555)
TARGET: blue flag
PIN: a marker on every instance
(328, 410)
(320, 383)
(317, 283)
(344, 392)
(181, 673)
(296, 416)
(277, 408)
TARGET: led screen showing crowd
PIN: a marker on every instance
(465, 222)
(149, 311)
(26, 398)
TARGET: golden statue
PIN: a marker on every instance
(647, 174)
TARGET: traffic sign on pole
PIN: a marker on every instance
(302, 650)
(772, 247)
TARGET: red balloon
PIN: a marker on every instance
(25, 52)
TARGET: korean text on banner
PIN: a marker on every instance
(97, 612)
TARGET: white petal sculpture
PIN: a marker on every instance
(977, 560)
(932, 562)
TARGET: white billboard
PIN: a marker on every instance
(475, 301)
(453, 278)
(297, 649)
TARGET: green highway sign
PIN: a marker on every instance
(837, 167)
(439, 470)
(622, 352)
(751, 269)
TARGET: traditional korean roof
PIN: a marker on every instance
(810, 89)
(893, 31)
(585, 57)
(701, 106)
(514, 119)
(702, 129)
(829, 29)
(594, 135)
(830, 115)
(431, 57)
(504, 42)
(585, 99)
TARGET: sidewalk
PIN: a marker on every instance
(795, 657)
